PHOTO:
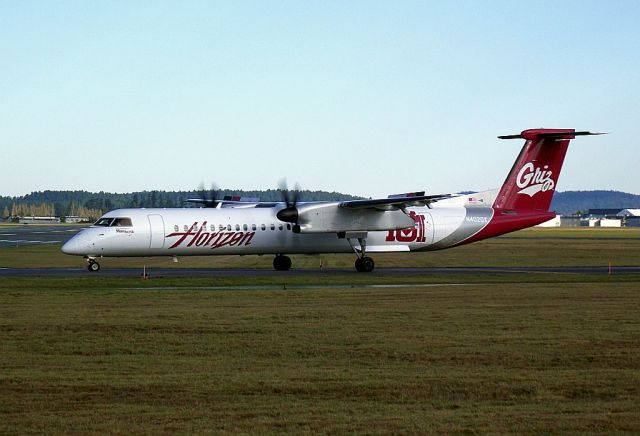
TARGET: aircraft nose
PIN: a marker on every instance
(72, 246)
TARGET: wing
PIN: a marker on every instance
(394, 202)
(359, 215)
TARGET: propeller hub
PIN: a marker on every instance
(288, 214)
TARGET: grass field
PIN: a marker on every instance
(543, 353)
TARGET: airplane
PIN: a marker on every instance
(400, 223)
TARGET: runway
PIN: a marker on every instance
(379, 272)
(16, 236)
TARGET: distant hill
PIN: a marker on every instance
(570, 202)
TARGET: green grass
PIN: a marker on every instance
(78, 357)
(577, 233)
(504, 353)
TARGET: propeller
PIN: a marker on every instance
(290, 197)
(208, 197)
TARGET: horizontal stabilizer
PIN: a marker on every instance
(532, 134)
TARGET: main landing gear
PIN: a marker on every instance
(363, 262)
(281, 262)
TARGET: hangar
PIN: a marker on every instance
(630, 217)
(629, 213)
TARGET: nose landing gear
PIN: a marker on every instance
(92, 265)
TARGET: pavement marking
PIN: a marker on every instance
(530, 271)
(285, 287)
(28, 241)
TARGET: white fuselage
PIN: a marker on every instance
(211, 231)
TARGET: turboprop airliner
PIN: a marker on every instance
(400, 223)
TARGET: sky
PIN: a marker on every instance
(363, 97)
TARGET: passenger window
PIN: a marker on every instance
(228, 227)
(253, 226)
(186, 228)
(263, 227)
(245, 227)
(176, 228)
(237, 227)
(213, 227)
(273, 226)
(121, 222)
(280, 227)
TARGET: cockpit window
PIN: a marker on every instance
(103, 222)
(113, 222)
(121, 222)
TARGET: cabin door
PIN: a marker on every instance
(156, 231)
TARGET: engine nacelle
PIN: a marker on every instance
(329, 218)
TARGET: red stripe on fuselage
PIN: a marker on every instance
(502, 223)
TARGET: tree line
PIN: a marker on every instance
(94, 204)
(48, 210)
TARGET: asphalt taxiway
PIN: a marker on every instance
(15, 236)
(241, 272)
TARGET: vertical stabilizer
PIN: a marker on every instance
(533, 178)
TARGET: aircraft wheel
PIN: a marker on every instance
(282, 263)
(93, 266)
(366, 264)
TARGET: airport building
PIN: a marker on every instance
(629, 213)
(76, 219)
(630, 217)
(610, 218)
(608, 222)
(553, 222)
(603, 213)
(38, 220)
(73, 219)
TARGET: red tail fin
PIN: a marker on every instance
(532, 180)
